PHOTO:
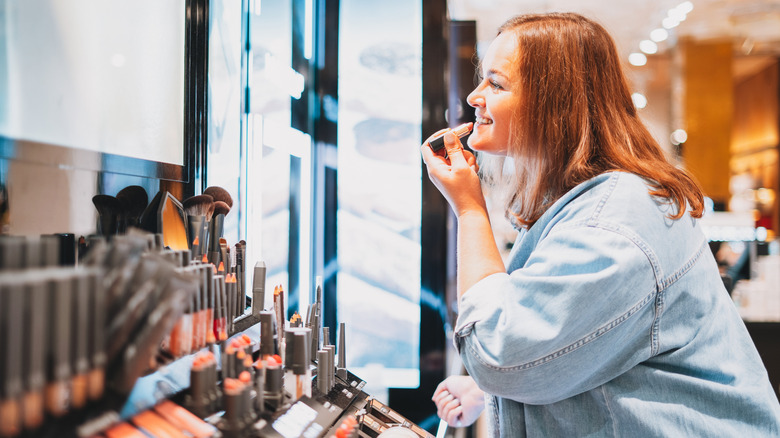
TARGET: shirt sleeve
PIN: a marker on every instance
(578, 313)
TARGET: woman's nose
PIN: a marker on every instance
(474, 99)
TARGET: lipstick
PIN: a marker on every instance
(230, 293)
(35, 315)
(341, 370)
(461, 131)
(97, 344)
(297, 379)
(238, 409)
(155, 425)
(198, 339)
(124, 430)
(258, 288)
(274, 386)
(315, 320)
(323, 385)
(220, 315)
(281, 311)
(185, 420)
(11, 303)
(198, 398)
(208, 284)
(259, 386)
(241, 264)
(80, 341)
(58, 370)
(267, 341)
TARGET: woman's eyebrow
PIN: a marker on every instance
(494, 72)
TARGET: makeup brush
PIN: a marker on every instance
(198, 205)
(215, 230)
(219, 194)
(108, 208)
(198, 209)
(221, 207)
(133, 200)
(210, 212)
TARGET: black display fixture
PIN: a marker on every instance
(156, 174)
(436, 243)
(309, 115)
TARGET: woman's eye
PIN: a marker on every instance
(495, 85)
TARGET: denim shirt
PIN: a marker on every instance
(612, 321)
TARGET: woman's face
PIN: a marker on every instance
(494, 98)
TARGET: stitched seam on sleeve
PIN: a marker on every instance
(613, 180)
(685, 268)
(573, 346)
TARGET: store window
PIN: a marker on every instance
(375, 163)
(251, 142)
(379, 192)
(272, 142)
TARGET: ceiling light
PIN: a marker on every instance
(648, 47)
(659, 35)
(679, 136)
(669, 22)
(685, 7)
(676, 14)
(640, 101)
(637, 59)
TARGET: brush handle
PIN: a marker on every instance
(107, 224)
(215, 231)
(195, 228)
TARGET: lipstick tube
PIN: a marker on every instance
(11, 308)
(341, 369)
(237, 409)
(274, 386)
(97, 344)
(80, 340)
(461, 131)
(198, 339)
(259, 386)
(258, 288)
(331, 370)
(323, 386)
(58, 371)
(185, 420)
(35, 314)
(198, 400)
(297, 380)
(220, 309)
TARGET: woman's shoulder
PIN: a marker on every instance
(616, 199)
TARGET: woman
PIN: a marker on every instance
(610, 317)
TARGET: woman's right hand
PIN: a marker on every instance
(453, 171)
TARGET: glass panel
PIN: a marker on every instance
(379, 189)
(224, 108)
(100, 75)
(271, 140)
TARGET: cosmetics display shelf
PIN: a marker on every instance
(343, 410)
(141, 338)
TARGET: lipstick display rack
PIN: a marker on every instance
(142, 341)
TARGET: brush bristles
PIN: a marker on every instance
(219, 194)
(106, 204)
(134, 200)
(210, 212)
(198, 205)
(221, 208)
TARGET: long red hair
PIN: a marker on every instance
(575, 119)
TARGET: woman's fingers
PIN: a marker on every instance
(453, 416)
